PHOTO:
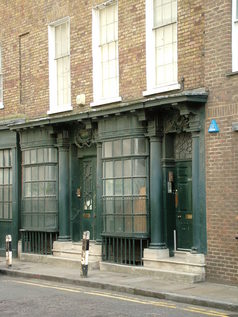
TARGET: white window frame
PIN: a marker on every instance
(1, 80)
(97, 72)
(234, 36)
(150, 56)
(54, 107)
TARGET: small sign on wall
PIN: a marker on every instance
(213, 128)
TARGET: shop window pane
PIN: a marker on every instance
(1, 193)
(128, 224)
(109, 206)
(41, 173)
(10, 176)
(108, 169)
(6, 158)
(126, 145)
(10, 193)
(1, 210)
(128, 206)
(6, 211)
(1, 158)
(118, 187)
(34, 173)
(110, 224)
(139, 187)
(118, 206)
(50, 189)
(10, 210)
(46, 155)
(118, 224)
(118, 168)
(26, 157)
(53, 173)
(127, 187)
(50, 173)
(41, 189)
(52, 155)
(109, 187)
(40, 155)
(127, 168)
(140, 224)
(34, 190)
(33, 156)
(117, 148)
(139, 205)
(27, 190)
(41, 205)
(139, 146)
(34, 221)
(34, 205)
(108, 149)
(139, 167)
(6, 193)
(50, 205)
(27, 205)
(6, 176)
(1, 176)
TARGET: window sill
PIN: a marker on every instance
(232, 74)
(60, 109)
(158, 90)
(105, 101)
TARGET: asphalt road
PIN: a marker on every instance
(33, 298)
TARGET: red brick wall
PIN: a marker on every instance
(221, 148)
(33, 17)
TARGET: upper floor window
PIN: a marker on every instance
(105, 54)
(161, 46)
(1, 80)
(235, 35)
(59, 66)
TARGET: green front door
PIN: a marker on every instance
(87, 201)
(183, 205)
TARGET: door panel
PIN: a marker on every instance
(87, 203)
(183, 205)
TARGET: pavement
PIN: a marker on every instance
(206, 294)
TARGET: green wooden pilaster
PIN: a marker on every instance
(15, 199)
(99, 193)
(64, 212)
(195, 190)
(156, 207)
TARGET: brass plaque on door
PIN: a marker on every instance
(189, 216)
(86, 215)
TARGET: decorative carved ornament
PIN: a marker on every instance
(84, 138)
(176, 123)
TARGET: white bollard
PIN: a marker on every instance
(85, 253)
(8, 250)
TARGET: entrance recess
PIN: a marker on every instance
(85, 215)
(183, 205)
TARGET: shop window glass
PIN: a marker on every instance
(39, 189)
(5, 184)
(124, 183)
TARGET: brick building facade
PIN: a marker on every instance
(134, 163)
